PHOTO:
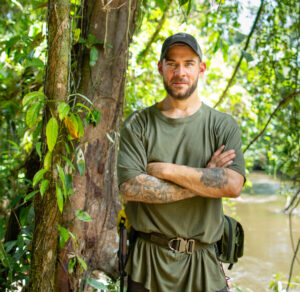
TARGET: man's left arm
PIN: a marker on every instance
(207, 182)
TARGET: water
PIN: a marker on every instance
(268, 247)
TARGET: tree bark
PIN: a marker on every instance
(47, 215)
(96, 192)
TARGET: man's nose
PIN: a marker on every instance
(179, 70)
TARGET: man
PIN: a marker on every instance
(177, 159)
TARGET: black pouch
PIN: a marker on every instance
(231, 245)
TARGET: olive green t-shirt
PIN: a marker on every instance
(149, 136)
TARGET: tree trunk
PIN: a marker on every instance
(47, 215)
(112, 23)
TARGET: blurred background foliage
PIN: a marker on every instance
(254, 45)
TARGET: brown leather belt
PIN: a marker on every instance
(176, 244)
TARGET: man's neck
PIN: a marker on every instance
(174, 108)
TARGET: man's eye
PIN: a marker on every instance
(171, 64)
(189, 64)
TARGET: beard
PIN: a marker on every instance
(181, 96)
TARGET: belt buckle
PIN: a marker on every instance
(190, 246)
(181, 245)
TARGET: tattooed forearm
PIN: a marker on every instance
(149, 189)
(214, 177)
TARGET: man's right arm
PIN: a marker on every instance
(149, 189)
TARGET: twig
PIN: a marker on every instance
(157, 31)
(292, 266)
(282, 103)
(241, 57)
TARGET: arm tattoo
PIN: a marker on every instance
(214, 178)
(149, 189)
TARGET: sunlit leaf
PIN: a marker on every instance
(60, 198)
(82, 263)
(38, 176)
(64, 236)
(77, 34)
(71, 265)
(83, 216)
(97, 285)
(72, 126)
(32, 96)
(80, 126)
(48, 160)
(51, 133)
(30, 196)
(32, 114)
(63, 110)
(43, 186)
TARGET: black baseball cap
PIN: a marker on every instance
(183, 38)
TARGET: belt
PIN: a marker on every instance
(177, 244)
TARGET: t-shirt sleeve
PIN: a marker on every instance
(132, 159)
(230, 136)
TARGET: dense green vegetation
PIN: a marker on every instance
(252, 54)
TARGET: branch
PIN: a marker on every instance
(292, 265)
(161, 22)
(282, 103)
(241, 57)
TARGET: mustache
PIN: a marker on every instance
(180, 80)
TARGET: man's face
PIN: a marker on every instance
(180, 70)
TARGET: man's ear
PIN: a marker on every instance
(159, 66)
(202, 69)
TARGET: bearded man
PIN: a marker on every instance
(177, 160)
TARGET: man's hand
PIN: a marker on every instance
(157, 169)
(220, 159)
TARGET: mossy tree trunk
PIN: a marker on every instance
(47, 215)
(112, 24)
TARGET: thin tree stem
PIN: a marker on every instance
(281, 104)
(230, 82)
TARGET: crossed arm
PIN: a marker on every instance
(167, 182)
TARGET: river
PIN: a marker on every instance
(267, 249)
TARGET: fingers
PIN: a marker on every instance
(225, 158)
(219, 151)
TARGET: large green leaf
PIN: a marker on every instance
(32, 96)
(38, 176)
(96, 284)
(32, 114)
(64, 236)
(43, 186)
(63, 110)
(82, 263)
(51, 133)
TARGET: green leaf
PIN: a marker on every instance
(161, 4)
(32, 114)
(74, 238)
(64, 236)
(24, 215)
(69, 181)
(81, 167)
(32, 96)
(51, 133)
(68, 161)
(34, 62)
(96, 284)
(83, 216)
(82, 263)
(80, 126)
(71, 265)
(93, 56)
(94, 117)
(63, 110)
(48, 160)
(38, 149)
(62, 178)
(43, 186)
(239, 37)
(3, 256)
(30, 196)
(38, 176)
(247, 56)
(60, 198)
